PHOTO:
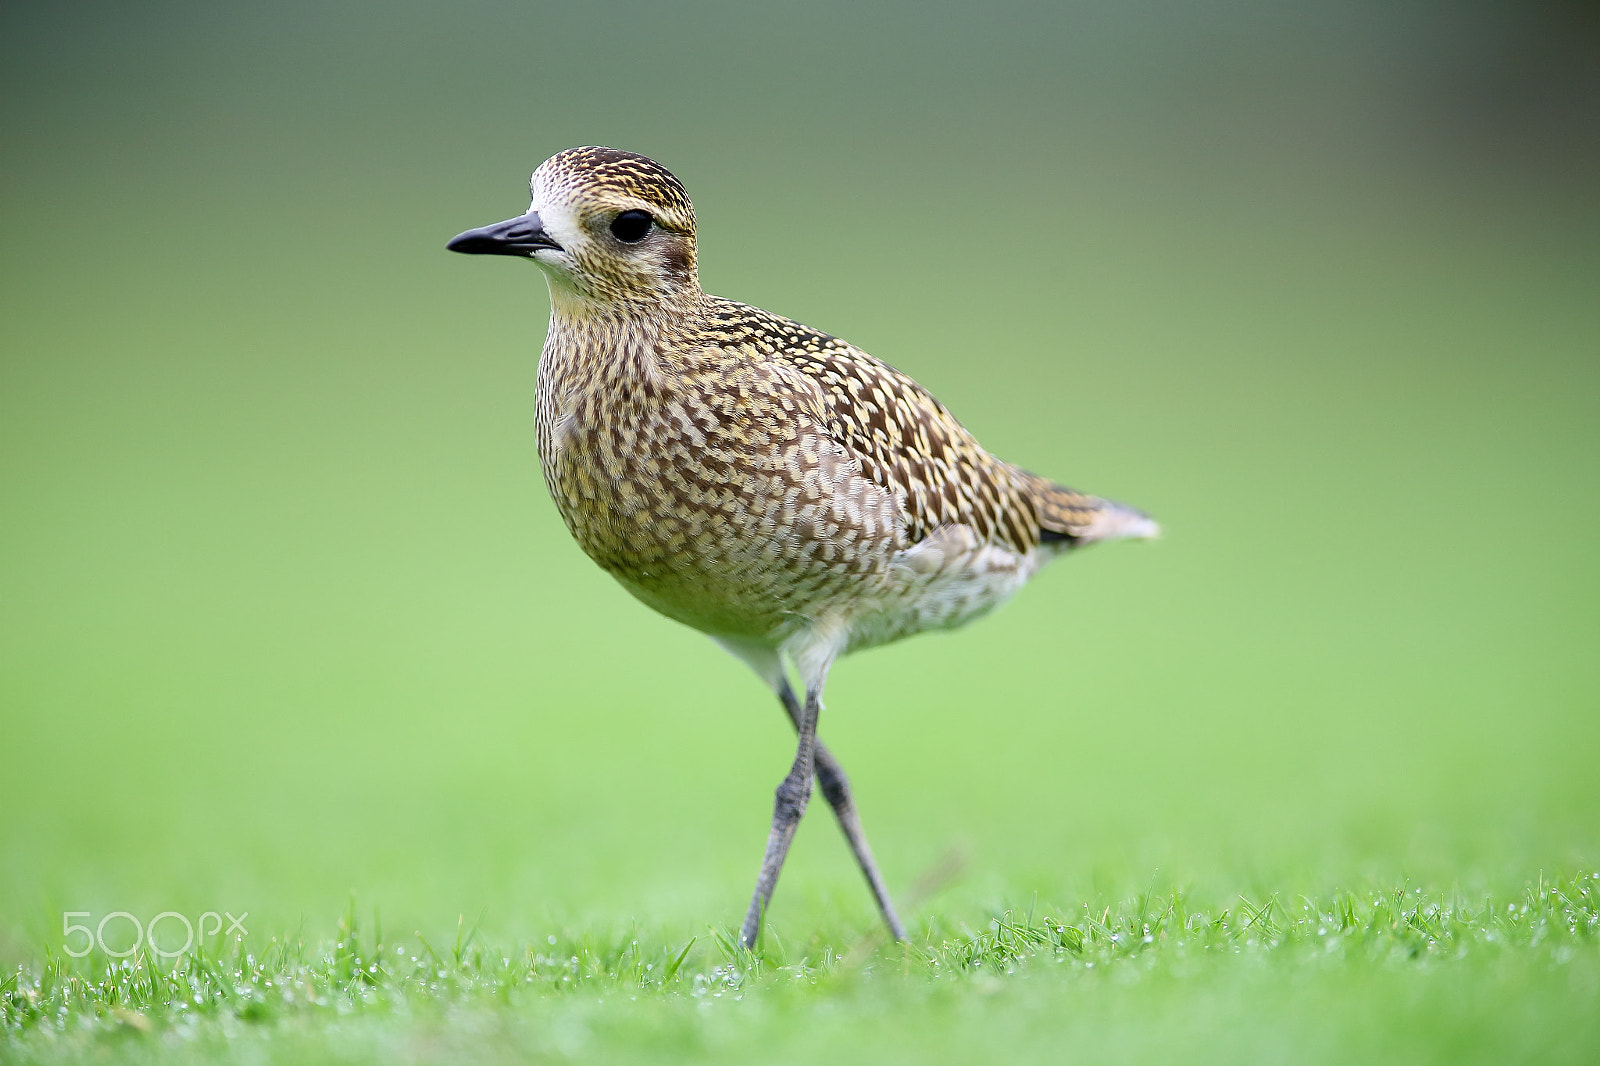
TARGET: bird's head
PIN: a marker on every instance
(612, 231)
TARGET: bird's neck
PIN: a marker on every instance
(595, 347)
(608, 304)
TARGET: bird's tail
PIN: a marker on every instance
(1068, 518)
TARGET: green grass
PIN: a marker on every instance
(1432, 977)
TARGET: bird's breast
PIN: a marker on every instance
(730, 522)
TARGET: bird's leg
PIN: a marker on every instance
(789, 804)
(836, 788)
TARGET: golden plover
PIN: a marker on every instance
(777, 489)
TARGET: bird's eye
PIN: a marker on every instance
(631, 226)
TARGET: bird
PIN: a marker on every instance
(763, 482)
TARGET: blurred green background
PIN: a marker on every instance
(285, 611)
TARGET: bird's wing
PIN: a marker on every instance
(908, 443)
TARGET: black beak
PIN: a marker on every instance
(522, 235)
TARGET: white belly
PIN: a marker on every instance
(943, 582)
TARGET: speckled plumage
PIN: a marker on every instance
(749, 476)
